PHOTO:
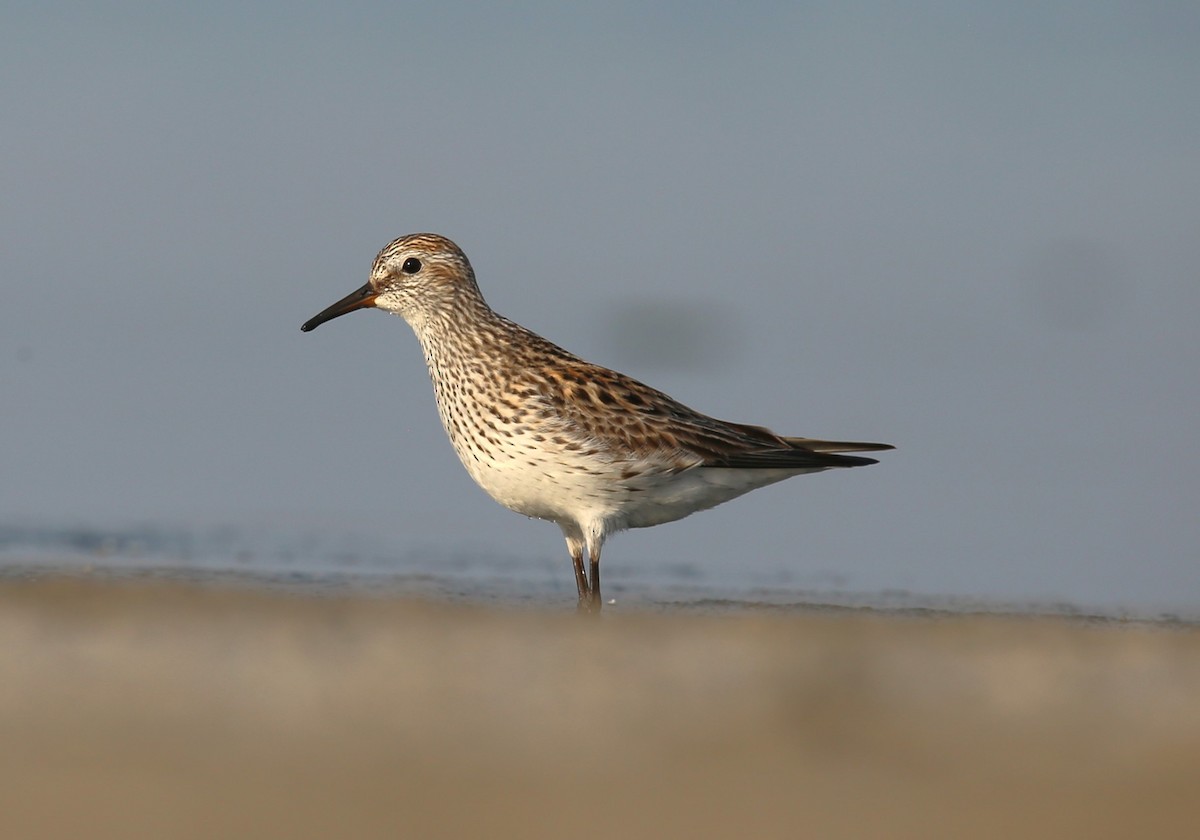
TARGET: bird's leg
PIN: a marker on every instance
(575, 546)
(589, 592)
(597, 601)
(581, 581)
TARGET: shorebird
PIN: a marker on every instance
(554, 437)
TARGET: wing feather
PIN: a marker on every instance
(630, 420)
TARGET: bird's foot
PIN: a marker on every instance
(589, 603)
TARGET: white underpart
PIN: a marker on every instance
(670, 497)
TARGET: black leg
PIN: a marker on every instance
(594, 562)
(581, 581)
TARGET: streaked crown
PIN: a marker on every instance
(421, 274)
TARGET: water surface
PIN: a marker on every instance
(327, 562)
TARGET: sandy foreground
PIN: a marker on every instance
(170, 710)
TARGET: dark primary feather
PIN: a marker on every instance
(798, 458)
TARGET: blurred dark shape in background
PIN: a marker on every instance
(1076, 284)
(660, 333)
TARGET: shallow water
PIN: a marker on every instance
(322, 562)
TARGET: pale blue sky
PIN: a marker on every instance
(968, 231)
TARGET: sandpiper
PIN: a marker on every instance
(554, 437)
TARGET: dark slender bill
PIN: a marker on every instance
(358, 299)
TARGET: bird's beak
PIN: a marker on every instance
(358, 299)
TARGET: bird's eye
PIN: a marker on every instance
(411, 265)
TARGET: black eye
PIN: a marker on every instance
(411, 265)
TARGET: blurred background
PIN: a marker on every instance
(969, 231)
